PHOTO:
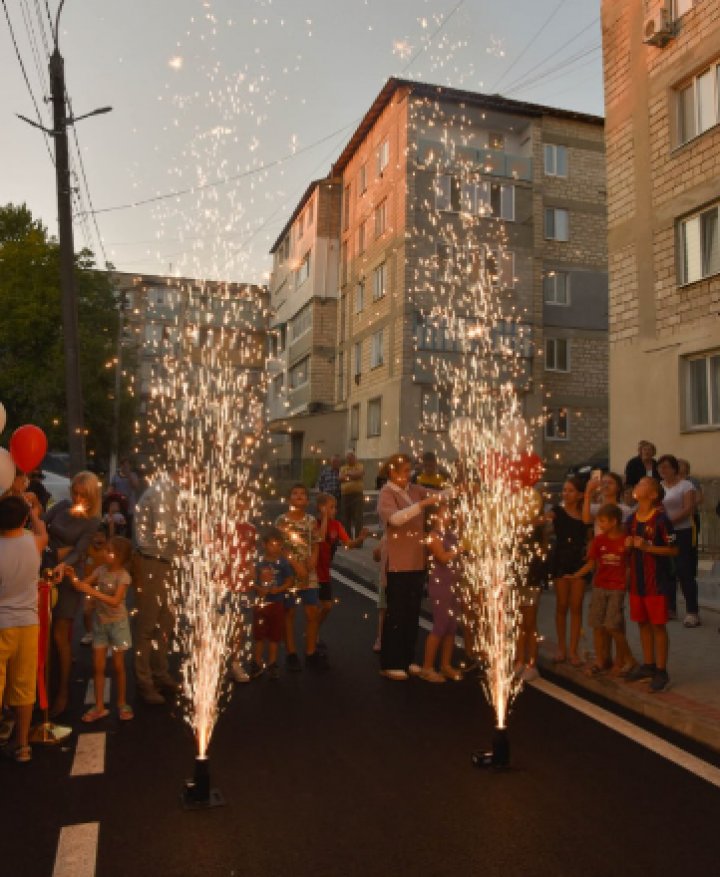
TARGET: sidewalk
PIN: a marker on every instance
(691, 706)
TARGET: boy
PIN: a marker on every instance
(608, 556)
(300, 536)
(330, 532)
(273, 578)
(651, 541)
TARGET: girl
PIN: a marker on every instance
(443, 549)
(568, 555)
(111, 628)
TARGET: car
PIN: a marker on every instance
(58, 486)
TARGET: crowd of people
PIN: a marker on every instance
(636, 534)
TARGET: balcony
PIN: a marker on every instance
(491, 162)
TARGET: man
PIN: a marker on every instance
(351, 494)
(329, 480)
(126, 483)
(155, 537)
(643, 465)
(430, 475)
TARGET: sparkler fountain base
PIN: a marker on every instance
(498, 758)
(197, 794)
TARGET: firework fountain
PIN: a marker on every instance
(207, 417)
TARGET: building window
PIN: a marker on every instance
(699, 246)
(380, 218)
(498, 200)
(447, 193)
(303, 272)
(354, 423)
(153, 334)
(556, 288)
(557, 224)
(362, 178)
(361, 239)
(278, 385)
(680, 7)
(310, 213)
(360, 296)
(383, 156)
(374, 417)
(434, 410)
(557, 355)
(357, 358)
(500, 265)
(698, 104)
(379, 288)
(299, 373)
(346, 207)
(343, 262)
(702, 390)
(377, 356)
(301, 225)
(496, 140)
(301, 323)
(556, 160)
(557, 424)
(446, 254)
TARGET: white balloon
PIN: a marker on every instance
(7, 470)
(515, 436)
(3, 417)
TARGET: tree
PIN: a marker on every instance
(32, 383)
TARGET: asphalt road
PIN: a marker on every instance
(348, 774)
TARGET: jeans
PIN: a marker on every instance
(352, 509)
(399, 637)
(685, 567)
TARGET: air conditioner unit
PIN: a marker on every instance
(658, 27)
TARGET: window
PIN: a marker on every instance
(380, 218)
(680, 7)
(377, 356)
(346, 207)
(357, 358)
(303, 272)
(360, 296)
(433, 334)
(556, 160)
(556, 288)
(557, 424)
(699, 246)
(344, 262)
(383, 156)
(361, 239)
(557, 224)
(447, 193)
(702, 390)
(557, 355)
(310, 213)
(362, 179)
(301, 323)
(434, 410)
(698, 104)
(379, 288)
(354, 423)
(454, 195)
(500, 265)
(445, 261)
(278, 385)
(374, 417)
(498, 200)
(153, 333)
(496, 140)
(299, 373)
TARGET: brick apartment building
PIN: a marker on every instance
(662, 87)
(425, 163)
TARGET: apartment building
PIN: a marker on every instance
(427, 164)
(662, 87)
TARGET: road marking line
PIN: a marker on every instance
(90, 691)
(89, 755)
(675, 754)
(77, 850)
(700, 768)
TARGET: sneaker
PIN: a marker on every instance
(691, 620)
(238, 672)
(254, 670)
(641, 672)
(377, 645)
(292, 662)
(660, 681)
(86, 639)
(672, 615)
(414, 669)
(6, 728)
(529, 673)
(395, 675)
(321, 647)
(431, 676)
(274, 671)
(317, 661)
(151, 696)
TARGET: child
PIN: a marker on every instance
(111, 628)
(114, 520)
(95, 557)
(651, 542)
(607, 555)
(301, 550)
(443, 580)
(330, 532)
(273, 578)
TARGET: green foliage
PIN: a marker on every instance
(32, 377)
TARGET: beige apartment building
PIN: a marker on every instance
(662, 87)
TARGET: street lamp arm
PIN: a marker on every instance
(35, 124)
(98, 112)
(57, 23)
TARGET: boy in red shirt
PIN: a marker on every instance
(330, 533)
(608, 556)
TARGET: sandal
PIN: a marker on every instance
(431, 676)
(23, 754)
(452, 674)
(576, 662)
(125, 712)
(95, 714)
(594, 670)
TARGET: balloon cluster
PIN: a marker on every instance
(28, 445)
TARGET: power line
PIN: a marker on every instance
(432, 36)
(552, 72)
(83, 176)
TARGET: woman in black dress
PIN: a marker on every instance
(568, 555)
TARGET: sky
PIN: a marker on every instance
(251, 100)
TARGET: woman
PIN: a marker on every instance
(400, 508)
(71, 525)
(606, 490)
(569, 555)
(643, 465)
(680, 501)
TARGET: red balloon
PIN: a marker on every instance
(28, 445)
(531, 469)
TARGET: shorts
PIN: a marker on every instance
(310, 596)
(18, 664)
(325, 592)
(68, 601)
(269, 622)
(529, 595)
(112, 634)
(653, 609)
(607, 609)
